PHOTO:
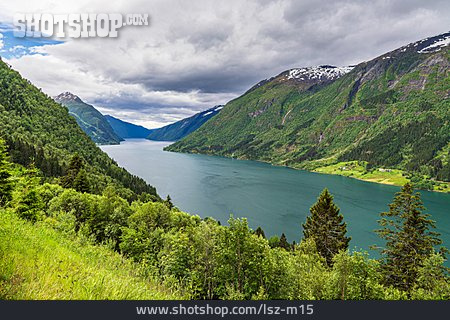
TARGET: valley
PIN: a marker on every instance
(254, 201)
(391, 113)
(275, 198)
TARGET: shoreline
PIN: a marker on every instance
(395, 177)
(382, 176)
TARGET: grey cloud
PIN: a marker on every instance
(309, 32)
(201, 53)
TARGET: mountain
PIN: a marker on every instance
(40, 132)
(89, 119)
(182, 128)
(390, 112)
(127, 130)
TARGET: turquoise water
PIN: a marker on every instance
(276, 198)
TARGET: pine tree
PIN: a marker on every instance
(81, 183)
(168, 202)
(284, 243)
(29, 205)
(409, 241)
(326, 227)
(75, 166)
(6, 186)
(260, 232)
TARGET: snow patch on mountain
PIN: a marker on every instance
(436, 46)
(66, 96)
(318, 73)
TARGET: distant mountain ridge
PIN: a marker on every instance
(182, 128)
(111, 130)
(89, 119)
(39, 132)
(127, 130)
(391, 112)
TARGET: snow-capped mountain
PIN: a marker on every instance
(89, 119)
(391, 111)
(66, 97)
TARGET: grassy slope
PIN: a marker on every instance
(354, 169)
(38, 262)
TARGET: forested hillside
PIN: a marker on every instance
(89, 119)
(40, 132)
(391, 112)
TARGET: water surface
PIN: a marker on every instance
(276, 198)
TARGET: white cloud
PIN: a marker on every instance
(16, 48)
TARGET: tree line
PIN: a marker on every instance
(208, 260)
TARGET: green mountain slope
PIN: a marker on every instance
(40, 131)
(89, 119)
(127, 130)
(393, 111)
(182, 128)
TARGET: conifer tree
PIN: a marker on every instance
(260, 232)
(5, 182)
(409, 241)
(81, 183)
(326, 227)
(76, 165)
(284, 243)
(29, 204)
(168, 202)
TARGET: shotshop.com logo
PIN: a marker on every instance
(75, 25)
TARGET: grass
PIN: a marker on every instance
(442, 187)
(38, 262)
(357, 170)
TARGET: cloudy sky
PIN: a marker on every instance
(197, 54)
